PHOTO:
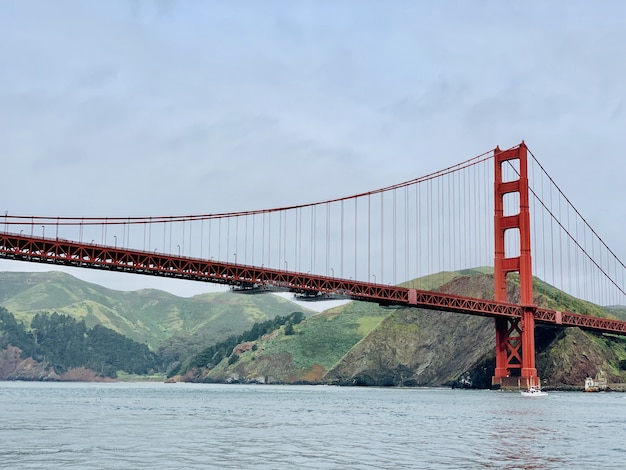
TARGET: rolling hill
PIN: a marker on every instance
(364, 344)
(147, 316)
(355, 344)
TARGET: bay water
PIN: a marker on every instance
(177, 426)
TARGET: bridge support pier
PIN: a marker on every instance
(515, 352)
(515, 337)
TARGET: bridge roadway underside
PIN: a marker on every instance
(77, 254)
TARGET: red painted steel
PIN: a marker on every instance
(515, 338)
(84, 255)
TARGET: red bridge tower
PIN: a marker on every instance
(515, 337)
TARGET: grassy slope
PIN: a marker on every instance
(334, 340)
(416, 346)
(618, 312)
(324, 339)
(317, 345)
(146, 316)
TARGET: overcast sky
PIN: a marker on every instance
(120, 108)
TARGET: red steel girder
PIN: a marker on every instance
(587, 322)
(86, 255)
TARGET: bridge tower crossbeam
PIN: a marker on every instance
(515, 337)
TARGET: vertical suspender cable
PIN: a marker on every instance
(296, 243)
(429, 211)
(393, 237)
(209, 246)
(439, 234)
(227, 239)
(406, 234)
(355, 235)
(369, 236)
(327, 238)
(313, 210)
(382, 238)
(341, 250)
(189, 252)
(418, 233)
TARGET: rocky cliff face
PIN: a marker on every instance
(574, 354)
(414, 347)
(364, 344)
(14, 367)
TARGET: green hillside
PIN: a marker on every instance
(363, 343)
(315, 346)
(356, 344)
(618, 312)
(146, 316)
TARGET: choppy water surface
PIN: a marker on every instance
(153, 425)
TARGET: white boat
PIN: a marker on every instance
(534, 392)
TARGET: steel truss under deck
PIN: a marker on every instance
(86, 255)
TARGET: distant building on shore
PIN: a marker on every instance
(596, 385)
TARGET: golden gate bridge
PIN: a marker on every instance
(395, 246)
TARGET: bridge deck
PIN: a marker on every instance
(84, 255)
